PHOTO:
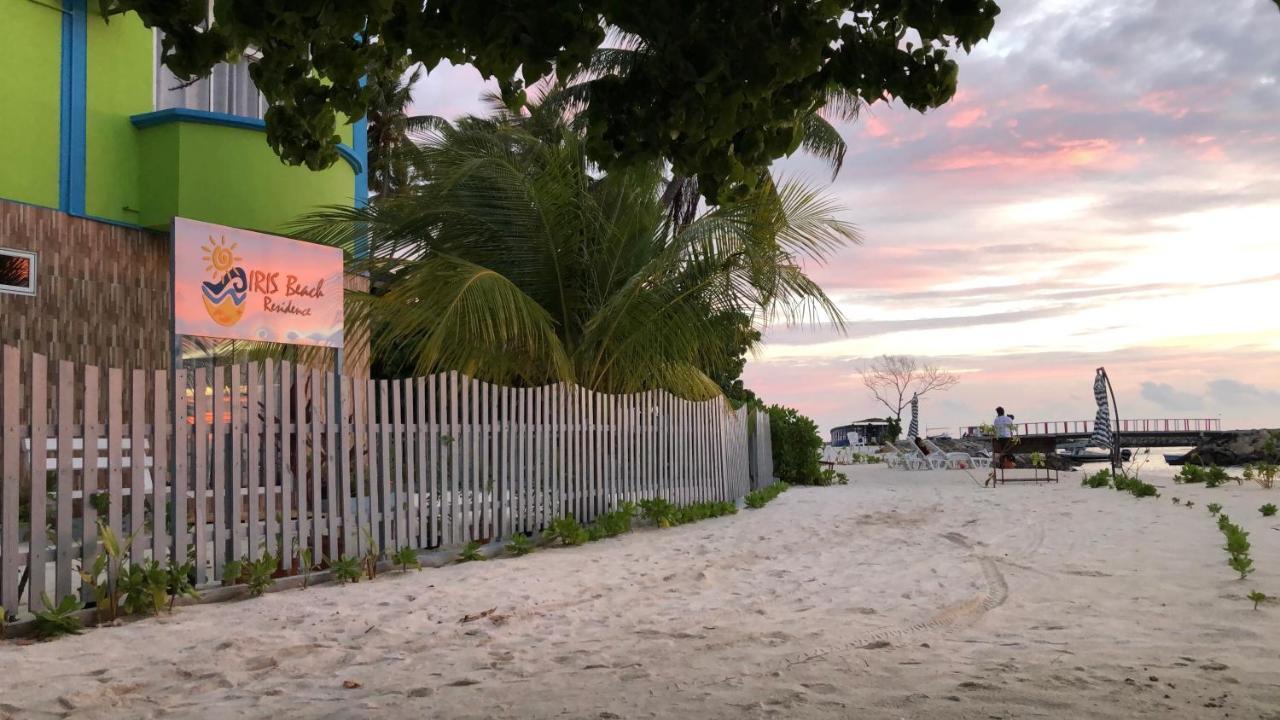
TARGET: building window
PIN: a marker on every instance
(228, 89)
(17, 272)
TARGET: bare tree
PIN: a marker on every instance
(893, 379)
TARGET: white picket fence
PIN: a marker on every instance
(270, 457)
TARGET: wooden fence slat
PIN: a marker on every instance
(346, 440)
(411, 486)
(200, 483)
(269, 449)
(456, 445)
(66, 479)
(482, 462)
(234, 478)
(287, 428)
(398, 463)
(418, 520)
(333, 459)
(388, 502)
(38, 544)
(362, 451)
(431, 443)
(115, 451)
(160, 432)
(372, 427)
(471, 392)
(137, 465)
(9, 400)
(181, 468)
(255, 462)
(301, 485)
(218, 427)
(316, 482)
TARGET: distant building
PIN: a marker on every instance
(871, 431)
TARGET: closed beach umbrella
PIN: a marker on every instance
(1102, 423)
(914, 430)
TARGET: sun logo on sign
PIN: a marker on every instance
(224, 298)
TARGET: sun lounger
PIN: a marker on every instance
(957, 460)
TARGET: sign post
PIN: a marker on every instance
(238, 284)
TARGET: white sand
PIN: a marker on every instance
(1023, 601)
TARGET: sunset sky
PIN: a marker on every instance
(1104, 190)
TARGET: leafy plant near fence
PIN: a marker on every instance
(470, 553)
(566, 530)
(406, 558)
(520, 545)
(58, 620)
(796, 446)
(757, 499)
(346, 570)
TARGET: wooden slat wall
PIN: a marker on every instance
(273, 457)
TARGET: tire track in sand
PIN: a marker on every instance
(993, 596)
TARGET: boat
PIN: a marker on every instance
(1085, 454)
(1176, 458)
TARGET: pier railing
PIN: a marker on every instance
(1085, 427)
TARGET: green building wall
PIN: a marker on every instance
(204, 166)
(30, 59)
(120, 84)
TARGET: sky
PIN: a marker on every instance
(1104, 190)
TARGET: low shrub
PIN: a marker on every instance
(1257, 598)
(1214, 508)
(757, 499)
(1268, 510)
(470, 553)
(567, 530)
(796, 446)
(658, 511)
(58, 620)
(829, 477)
(1237, 546)
(520, 545)
(346, 569)
(1190, 474)
(406, 558)
(1100, 479)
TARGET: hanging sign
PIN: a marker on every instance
(243, 285)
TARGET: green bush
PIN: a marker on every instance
(658, 511)
(796, 446)
(757, 499)
(520, 545)
(567, 530)
(58, 620)
(1268, 510)
(1190, 474)
(346, 569)
(1100, 479)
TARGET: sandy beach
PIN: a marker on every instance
(900, 595)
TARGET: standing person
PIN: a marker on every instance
(1000, 447)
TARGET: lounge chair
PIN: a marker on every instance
(957, 460)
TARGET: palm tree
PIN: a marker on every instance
(510, 258)
(816, 135)
(390, 128)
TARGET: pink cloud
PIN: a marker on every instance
(965, 118)
(874, 126)
(1048, 156)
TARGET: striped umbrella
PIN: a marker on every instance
(1102, 423)
(914, 430)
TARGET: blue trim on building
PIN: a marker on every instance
(75, 74)
(160, 117)
(360, 143)
(64, 116)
